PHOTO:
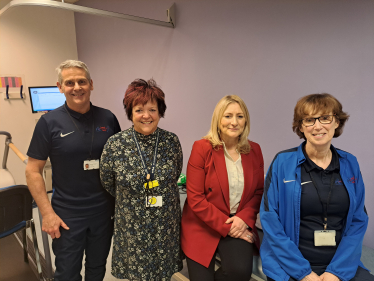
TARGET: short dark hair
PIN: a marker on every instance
(140, 92)
(314, 103)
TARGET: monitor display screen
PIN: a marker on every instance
(45, 98)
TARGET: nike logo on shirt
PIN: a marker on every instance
(305, 182)
(284, 180)
(64, 135)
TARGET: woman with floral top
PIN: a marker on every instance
(140, 168)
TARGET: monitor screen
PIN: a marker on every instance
(45, 98)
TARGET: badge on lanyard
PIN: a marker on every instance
(91, 164)
(150, 201)
(153, 201)
(324, 238)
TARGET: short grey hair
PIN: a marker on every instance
(70, 64)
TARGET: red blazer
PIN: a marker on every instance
(208, 202)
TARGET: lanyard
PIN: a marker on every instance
(81, 133)
(324, 218)
(149, 176)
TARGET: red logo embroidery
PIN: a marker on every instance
(102, 129)
(352, 180)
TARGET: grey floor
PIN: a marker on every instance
(12, 265)
(367, 258)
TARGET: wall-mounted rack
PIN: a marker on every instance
(13, 95)
(11, 87)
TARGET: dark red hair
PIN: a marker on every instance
(141, 92)
(315, 103)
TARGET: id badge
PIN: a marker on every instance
(153, 201)
(324, 238)
(151, 184)
(91, 164)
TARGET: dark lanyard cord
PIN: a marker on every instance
(81, 133)
(149, 176)
(324, 219)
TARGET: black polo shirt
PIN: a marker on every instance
(311, 211)
(78, 192)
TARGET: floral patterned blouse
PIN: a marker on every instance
(146, 243)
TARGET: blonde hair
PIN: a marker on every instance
(214, 134)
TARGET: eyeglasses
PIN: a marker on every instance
(324, 119)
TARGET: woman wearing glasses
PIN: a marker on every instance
(313, 212)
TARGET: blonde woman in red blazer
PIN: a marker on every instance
(225, 179)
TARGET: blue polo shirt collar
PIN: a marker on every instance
(78, 115)
(310, 165)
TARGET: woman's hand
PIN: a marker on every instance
(327, 276)
(312, 277)
(248, 236)
(238, 226)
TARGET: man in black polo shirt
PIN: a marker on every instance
(73, 136)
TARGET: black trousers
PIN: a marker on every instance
(236, 262)
(361, 274)
(91, 235)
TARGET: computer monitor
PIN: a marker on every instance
(45, 98)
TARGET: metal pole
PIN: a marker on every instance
(6, 150)
(36, 248)
(87, 10)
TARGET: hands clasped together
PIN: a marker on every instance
(327, 276)
(239, 229)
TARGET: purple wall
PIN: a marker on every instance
(268, 52)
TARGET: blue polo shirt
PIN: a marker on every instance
(78, 192)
